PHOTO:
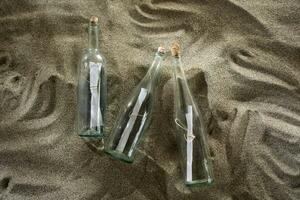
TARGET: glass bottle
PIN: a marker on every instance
(135, 116)
(91, 94)
(190, 129)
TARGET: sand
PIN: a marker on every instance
(242, 62)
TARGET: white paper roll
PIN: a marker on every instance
(132, 119)
(96, 115)
(189, 146)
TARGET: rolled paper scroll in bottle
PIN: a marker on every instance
(138, 134)
(189, 140)
(96, 115)
(131, 121)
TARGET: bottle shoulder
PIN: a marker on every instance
(92, 56)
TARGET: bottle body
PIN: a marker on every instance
(134, 117)
(190, 132)
(91, 93)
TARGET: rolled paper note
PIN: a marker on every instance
(138, 134)
(189, 140)
(96, 115)
(133, 116)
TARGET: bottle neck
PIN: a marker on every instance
(156, 63)
(181, 84)
(153, 73)
(182, 95)
(93, 37)
(178, 71)
(155, 67)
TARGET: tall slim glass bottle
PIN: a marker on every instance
(191, 131)
(135, 116)
(91, 94)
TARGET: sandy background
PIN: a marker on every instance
(242, 60)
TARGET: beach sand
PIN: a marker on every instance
(242, 60)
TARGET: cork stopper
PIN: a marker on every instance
(94, 20)
(175, 49)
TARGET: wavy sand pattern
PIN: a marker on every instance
(242, 62)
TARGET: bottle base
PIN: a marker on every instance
(199, 183)
(120, 156)
(91, 134)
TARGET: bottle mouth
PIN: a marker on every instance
(161, 50)
(94, 20)
(175, 49)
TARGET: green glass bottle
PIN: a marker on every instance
(91, 94)
(135, 116)
(190, 129)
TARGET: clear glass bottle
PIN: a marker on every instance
(135, 116)
(91, 94)
(190, 129)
